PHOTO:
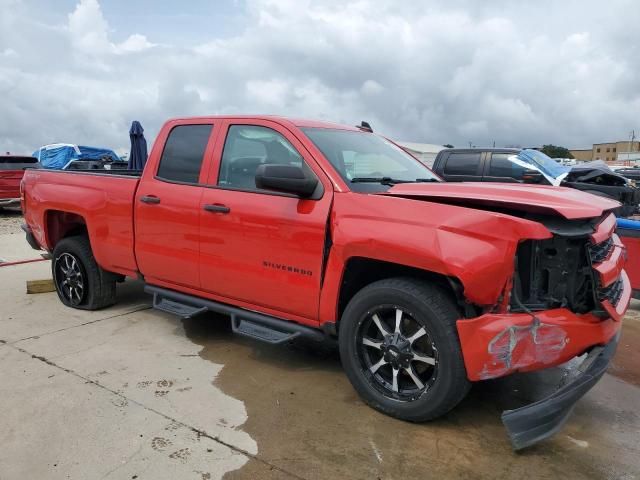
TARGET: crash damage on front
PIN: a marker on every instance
(563, 298)
(566, 299)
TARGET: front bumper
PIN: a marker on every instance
(542, 419)
(9, 202)
(495, 345)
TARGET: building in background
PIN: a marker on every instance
(585, 155)
(425, 152)
(610, 152)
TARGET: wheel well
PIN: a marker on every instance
(63, 224)
(360, 272)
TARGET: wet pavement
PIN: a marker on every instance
(129, 392)
(307, 419)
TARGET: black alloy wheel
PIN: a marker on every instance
(79, 280)
(70, 278)
(400, 350)
(397, 353)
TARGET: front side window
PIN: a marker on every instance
(501, 167)
(249, 146)
(183, 153)
(462, 164)
(366, 161)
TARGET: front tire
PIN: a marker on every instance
(400, 349)
(79, 280)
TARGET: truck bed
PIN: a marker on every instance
(100, 201)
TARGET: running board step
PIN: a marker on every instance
(243, 322)
(176, 308)
(260, 332)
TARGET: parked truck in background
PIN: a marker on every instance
(303, 228)
(532, 166)
(11, 172)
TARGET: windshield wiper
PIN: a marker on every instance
(391, 181)
(380, 180)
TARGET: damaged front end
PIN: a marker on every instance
(567, 297)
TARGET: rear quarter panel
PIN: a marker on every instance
(105, 202)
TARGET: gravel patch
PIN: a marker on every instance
(10, 221)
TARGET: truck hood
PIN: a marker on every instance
(566, 202)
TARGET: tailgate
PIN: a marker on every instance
(10, 183)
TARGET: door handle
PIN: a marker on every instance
(152, 199)
(217, 208)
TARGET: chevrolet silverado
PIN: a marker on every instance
(297, 228)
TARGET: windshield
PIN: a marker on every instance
(533, 159)
(368, 162)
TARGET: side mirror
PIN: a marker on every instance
(532, 176)
(285, 178)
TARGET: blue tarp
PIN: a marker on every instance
(628, 224)
(59, 155)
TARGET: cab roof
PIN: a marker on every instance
(298, 122)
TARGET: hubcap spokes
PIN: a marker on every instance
(70, 278)
(397, 352)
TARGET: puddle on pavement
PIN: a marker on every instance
(307, 419)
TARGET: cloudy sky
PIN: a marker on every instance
(450, 71)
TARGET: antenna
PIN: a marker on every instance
(364, 126)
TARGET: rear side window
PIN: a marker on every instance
(183, 153)
(462, 164)
(501, 167)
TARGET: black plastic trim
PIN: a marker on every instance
(31, 239)
(540, 420)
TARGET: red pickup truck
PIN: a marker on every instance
(299, 228)
(11, 172)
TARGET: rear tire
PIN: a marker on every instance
(408, 365)
(79, 280)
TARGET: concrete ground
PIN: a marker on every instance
(133, 393)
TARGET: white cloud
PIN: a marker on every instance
(135, 43)
(371, 87)
(454, 71)
(89, 32)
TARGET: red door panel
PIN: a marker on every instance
(167, 233)
(267, 250)
(167, 204)
(263, 248)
